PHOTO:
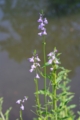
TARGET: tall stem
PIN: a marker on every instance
(21, 115)
(44, 53)
(54, 92)
(37, 96)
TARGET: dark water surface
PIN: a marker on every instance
(18, 39)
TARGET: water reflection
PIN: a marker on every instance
(18, 39)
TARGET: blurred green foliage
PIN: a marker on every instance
(64, 6)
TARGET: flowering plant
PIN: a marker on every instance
(56, 94)
(56, 105)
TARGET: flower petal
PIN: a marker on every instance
(18, 101)
(45, 21)
(22, 107)
(31, 70)
(31, 59)
(37, 76)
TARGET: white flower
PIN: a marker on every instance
(33, 66)
(37, 58)
(22, 107)
(50, 54)
(31, 70)
(53, 57)
(56, 61)
(37, 76)
(40, 33)
(51, 69)
(38, 64)
(25, 98)
(18, 101)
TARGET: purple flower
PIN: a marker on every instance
(21, 102)
(42, 22)
(37, 58)
(31, 59)
(45, 21)
(40, 19)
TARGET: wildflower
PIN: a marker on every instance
(37, 58)
(35, 64)
(42, 22)
(31, 59)
(51, 69)
(40, 19)
(22, 107)
(21, 102)
(31, 70)
(50, 61)
(44, 33)
(18, 101)
(52, 58)
(45, 21)
(56, 61)
(37, 76)
(40, 34)
(50, 54)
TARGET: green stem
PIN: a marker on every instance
(37, 96)
(2, 116)
(44, 53)
(21, 115)
(54, 92)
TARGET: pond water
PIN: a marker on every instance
(18, 39)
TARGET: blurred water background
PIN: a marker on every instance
(19, 38)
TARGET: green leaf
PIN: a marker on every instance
(72, 106)
(7, 113)
(46, 64)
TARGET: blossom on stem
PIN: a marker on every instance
(51, 69)
(43, 22)
(35, 61)
(35, 64)
(40, 19)
(31, 59)
(52, 58)
(21, 102)
(18, 101)
(37, 76)
(22, 107)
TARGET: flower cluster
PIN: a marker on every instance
(21, 102)
(35, 60)
(52, 58)
(43, 22)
